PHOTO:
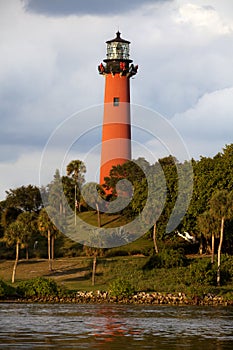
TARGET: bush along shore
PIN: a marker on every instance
(42, 290)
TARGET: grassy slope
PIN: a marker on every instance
(107, 221)
(75, 274)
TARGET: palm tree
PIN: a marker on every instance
(29, 222)
(47, 228)
(221, 208)
(76, 170)
(95, 252)
(18, 233)
(14, 235)
(55, 193)
(94, 195)
(208, 225)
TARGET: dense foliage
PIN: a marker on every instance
(121, 287)
(37, 287)
(24, 222)
(167, 258)
(5, 289)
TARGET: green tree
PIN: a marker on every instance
(132, 171)
(76, 170)
(221, 208)
(153, 201)
(91, 250)
(94, 197)
(56, 205)
(169, 167)
(1, 225)
(9, 215)
(48, 229)
(203, 185)
(15, 235)
(55, 193)
(208, 226)
(24, 198)
(210, 175)
(29, 221)
(223, 164)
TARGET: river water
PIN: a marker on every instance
(110, 327)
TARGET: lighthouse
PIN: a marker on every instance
(117, 69)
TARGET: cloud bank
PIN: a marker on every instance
(80, 7)
(48, 71)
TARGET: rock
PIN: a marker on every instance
(155, 298)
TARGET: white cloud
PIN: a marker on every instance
(48, 70)
(209, 122)
(203, 18)
(23, 171)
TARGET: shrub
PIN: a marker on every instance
(39, 287)
(226, 268)
(152, 262)
(115, 252)
(5, 289)
(227, 259)
(173, 258)
(121, 287)
(201, 272)
(135, 252)
(167, 258)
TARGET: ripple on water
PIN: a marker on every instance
(67, 326)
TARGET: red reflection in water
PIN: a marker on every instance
(110, 325)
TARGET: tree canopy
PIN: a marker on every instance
(164, 178)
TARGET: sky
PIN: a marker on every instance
(51, 95)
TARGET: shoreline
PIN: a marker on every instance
(140, 298)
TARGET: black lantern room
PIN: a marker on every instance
(118, 60)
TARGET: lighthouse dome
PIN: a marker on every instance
(118, 48)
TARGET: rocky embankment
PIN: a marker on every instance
(138, 298)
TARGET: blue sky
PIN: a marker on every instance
(50, 51)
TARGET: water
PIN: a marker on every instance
(110, 327)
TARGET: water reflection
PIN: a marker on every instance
(110, 327)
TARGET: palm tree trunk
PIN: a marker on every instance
(98, 214)
(212, 249)
(75, 203)
(219, 251)
(94, 269)
(60, 208)
(201, 245)
(49, 250)
(52, 246)
(27, 251)
(154, 239)
(16, 262)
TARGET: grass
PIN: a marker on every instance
(75, 274)
(127, 262)
(107, 220)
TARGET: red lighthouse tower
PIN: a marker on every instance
(116, 132)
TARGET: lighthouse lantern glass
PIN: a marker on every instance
(118, 50)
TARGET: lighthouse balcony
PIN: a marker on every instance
(118, 67)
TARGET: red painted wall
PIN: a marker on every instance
(116, 133)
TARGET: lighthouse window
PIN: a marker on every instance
(116, 101)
